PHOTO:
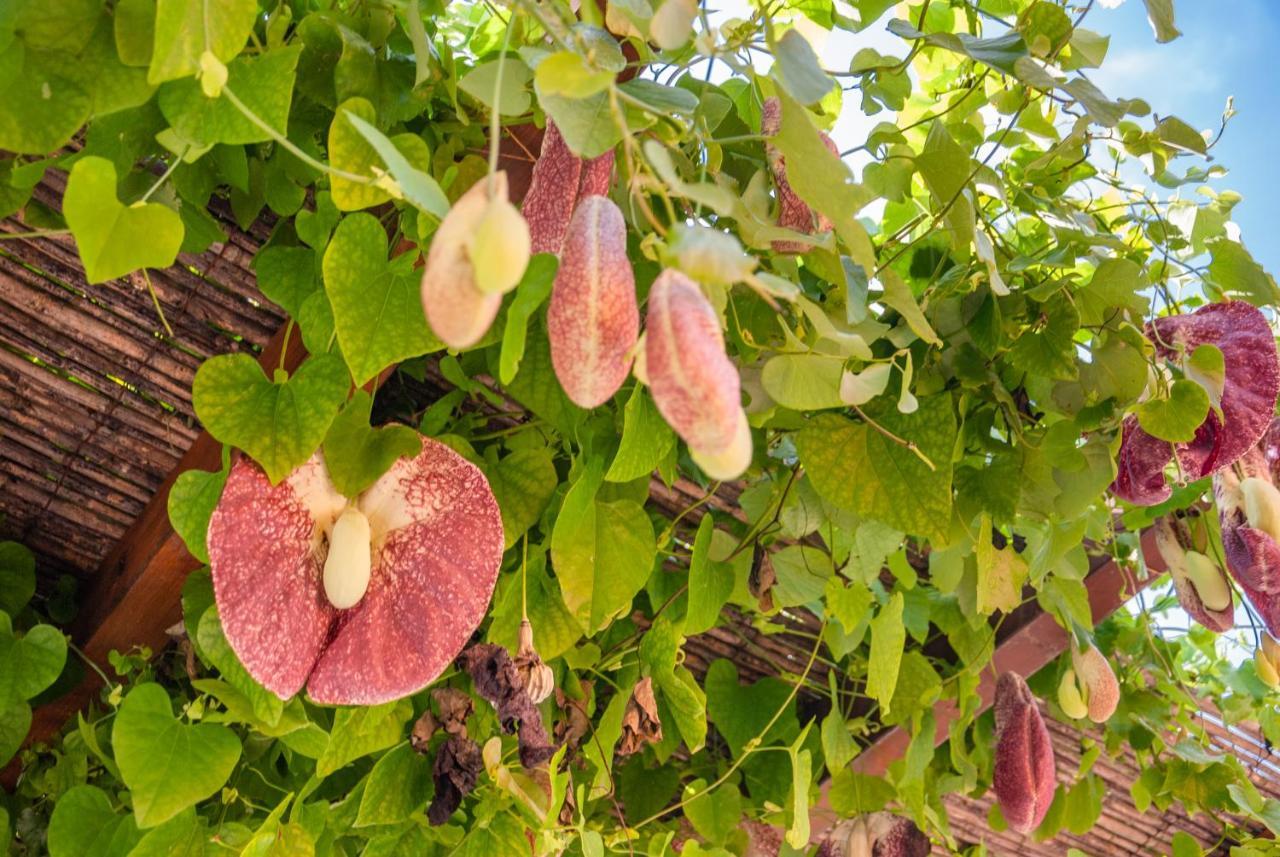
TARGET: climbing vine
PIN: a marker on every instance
(904, 384)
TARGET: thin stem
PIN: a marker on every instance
(289, 145)
(495, 120)
(165, 176)
(524, 581)
(39, 233)
(155, 301)
(88, 660)
(909, 444)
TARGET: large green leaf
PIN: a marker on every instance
(646, 439)
(522, 483)
(888, 637)
(166, 764)
(263, 83)
(185, 29)
(279, 424)
(184, 835)
(191, 502)
(531, 292)
(114, 239)
(798, 68)
(45, 102)
(357, 454)
(29, 663)
(602, 552)
(854, 466)
(287, 275)
(358, 732)
(84, 824)
(398, 786)
(377, 308)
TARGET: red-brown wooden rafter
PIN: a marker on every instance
(1032, 647)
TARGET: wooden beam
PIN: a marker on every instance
(1025, 651)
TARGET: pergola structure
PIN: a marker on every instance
(96, 422)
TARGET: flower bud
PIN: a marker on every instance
(1102, 691)
(499, 247)
(537, 677)
(1024, 777)
(1070, 697)
(1261, 504)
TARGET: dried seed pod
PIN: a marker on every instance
(793, 212)
(1197, 580)
(1102, 691)
(457, 310)
(560, 180)
(1024, 777)
(694, 383)
(537, 677)
(592, 319)
(877, 834)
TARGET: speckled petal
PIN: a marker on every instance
(793, 212)
(432, 579)
(1024, 777)
(1140, 466)
(694, 383)
(592, 319)
(1252, 379)
(1254, 560)
(1249, 394)
(560, 180)
(267, 571)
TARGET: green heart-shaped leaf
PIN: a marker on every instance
(351, 152)
(263, 83)
(1177, 417)
(15, 720)
(356, 454)
(377, 309)
(114, 239)
(185, 29)
(84, 824)
(279, 424)
(30, 663)
(191, 502)
(167, 764)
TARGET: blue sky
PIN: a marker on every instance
(1228, 48)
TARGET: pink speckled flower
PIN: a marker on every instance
(363, 600)
(1248, 400)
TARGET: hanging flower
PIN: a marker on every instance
(363, 600)
(1203, 589)
(1249, 389)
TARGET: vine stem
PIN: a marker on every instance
(92, 664)
(177, 159)
(39, 233)
(524, 581)
(901, 441)
(289, 145)
(155, 301)
(495, 119)
(752, 746)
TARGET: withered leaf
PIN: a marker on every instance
(760, 582)
(640, 723)
(496, 680)
(457, 767)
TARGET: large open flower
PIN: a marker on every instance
(1249, 390)
(363, 601)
